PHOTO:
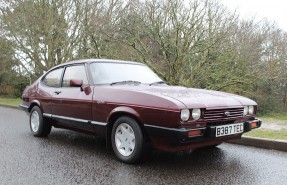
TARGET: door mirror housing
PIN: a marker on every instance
(76, 83)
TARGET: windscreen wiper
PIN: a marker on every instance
(158, 82)
(126, 82)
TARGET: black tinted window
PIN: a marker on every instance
(53, 78)
(75, 73)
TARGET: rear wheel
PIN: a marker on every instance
(127, 140)
(38, 125)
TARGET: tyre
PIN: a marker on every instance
(38, 125)
(127, 140)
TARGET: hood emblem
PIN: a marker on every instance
(226, 114)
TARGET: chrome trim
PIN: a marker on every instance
(74, 119)
(71, 119)
(47, 115)
(226, 114)
(23, 106)
(98, 123)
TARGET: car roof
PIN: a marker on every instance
(81, 61)
(99, 60)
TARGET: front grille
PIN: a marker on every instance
(222, 114)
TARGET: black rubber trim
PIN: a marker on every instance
(178, 133)
(181, 134)
(24, 108)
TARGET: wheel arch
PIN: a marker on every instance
(33, 104)
(124, 111)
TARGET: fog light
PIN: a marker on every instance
(253, 124)
(194, 133)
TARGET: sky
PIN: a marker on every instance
(272, 10)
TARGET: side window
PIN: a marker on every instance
(76, 73)
(53, 78)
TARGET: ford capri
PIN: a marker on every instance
(132, 108)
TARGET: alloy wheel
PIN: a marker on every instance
(125, 139)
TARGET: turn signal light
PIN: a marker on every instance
(194, 133)
(253, 124)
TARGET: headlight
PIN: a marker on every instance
(184, 114)
(196, 113)
(245, 112)
(250, 109)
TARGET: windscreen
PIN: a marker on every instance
(108, 73)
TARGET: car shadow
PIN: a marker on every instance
(195, 157)
(71, 140)
(67, 141)
(89, 153)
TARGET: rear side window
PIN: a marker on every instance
(53, 78)
(75, 73)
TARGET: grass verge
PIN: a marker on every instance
(281, 117)
(10, 101)
(269, 134)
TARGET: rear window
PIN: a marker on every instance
(53, 78)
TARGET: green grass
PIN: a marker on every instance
(10, 101)
(269, 134)
(282, 117)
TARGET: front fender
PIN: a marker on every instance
(123, 110)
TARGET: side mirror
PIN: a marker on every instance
(79, 83)
(76, 83)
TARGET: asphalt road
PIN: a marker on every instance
(67, 157)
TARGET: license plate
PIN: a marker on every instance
(226, 130)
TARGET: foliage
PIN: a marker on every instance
(44, 32)
(12, 82)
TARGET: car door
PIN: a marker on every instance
(72, 106)
(50, 83)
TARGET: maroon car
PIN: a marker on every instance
(129, 105)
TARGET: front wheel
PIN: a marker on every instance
(38, 125)
(127, 140)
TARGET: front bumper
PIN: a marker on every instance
(24, 108)
(182, 136)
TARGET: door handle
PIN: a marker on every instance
(57, 92)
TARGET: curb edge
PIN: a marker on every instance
(274, 144)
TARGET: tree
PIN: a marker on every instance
(12, 82)
(193, 43)
(44, 33)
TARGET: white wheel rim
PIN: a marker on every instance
(35, 121)
(125, 139)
